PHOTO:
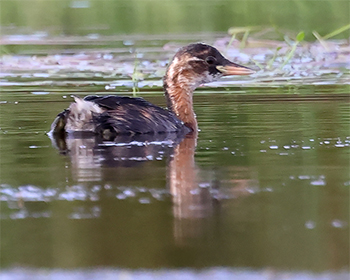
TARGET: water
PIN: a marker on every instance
(266, 186)
(263, 190)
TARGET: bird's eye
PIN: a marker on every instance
(210, 60)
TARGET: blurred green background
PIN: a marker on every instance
(107, 17)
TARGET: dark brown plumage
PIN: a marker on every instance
(113, 115)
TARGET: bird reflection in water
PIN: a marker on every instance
(191, 203)
(90, 154)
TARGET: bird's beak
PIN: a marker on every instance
(231, 68)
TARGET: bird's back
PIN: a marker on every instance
(113, 115)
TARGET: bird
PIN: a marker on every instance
(112, 115)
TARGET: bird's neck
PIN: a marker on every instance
(180, 102)
(179, 85)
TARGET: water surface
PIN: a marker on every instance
(270, 189)
(264, 187)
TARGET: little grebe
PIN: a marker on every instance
(111, 115)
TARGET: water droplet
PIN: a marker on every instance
(79, 4)
(318, 183)
(129, 193)
(41, 75)
(107, 56)
(94, 197)
(128, 42)
(96, 188)
(338, 223)
(310, 224)
(149, 157)
(40, 92)
(204, 185)
(144, 200)
(142, 189)
(121, 196)
(195, 191)
(22, 214)
(339, 145)
(252, 190)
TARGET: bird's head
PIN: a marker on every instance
(199, 63)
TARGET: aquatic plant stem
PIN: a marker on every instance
(135, 88)
(320, 39)
(298, 39)
(233, 37)
(329, 35)
(336, 32)
(271, 61)
(244, 40)
(257, 64)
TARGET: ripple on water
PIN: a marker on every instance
(40, 92)
(303, 145)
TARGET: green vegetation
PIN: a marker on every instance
(260, 34)
(289, 51)
(105, 17)
(272, 60)
(330, 35)
(336, 32)
(298, 39)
